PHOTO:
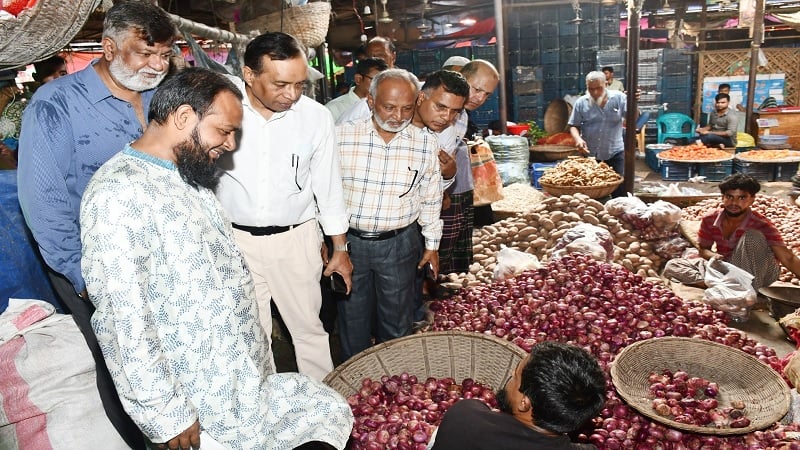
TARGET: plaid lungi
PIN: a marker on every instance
(455, 248)
(754, 255)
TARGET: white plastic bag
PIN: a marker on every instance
(730, 288)
(511, 262)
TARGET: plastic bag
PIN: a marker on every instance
(671, 247)
(617, 206)
(488, 185)
(591, 234)
(511, 262)
(730, 288)
(583, 245)
(658, 220)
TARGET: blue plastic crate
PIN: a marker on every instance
(677, 171)
(785, 171)
(537, 170)
(651, 158)
(715, 171)
(550, 57)
(569, 55)
(758, 170)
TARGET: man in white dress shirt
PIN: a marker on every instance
(366, 69)
(286, 168)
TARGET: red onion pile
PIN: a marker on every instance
(603, 308)
(400, 412)
(693, 401)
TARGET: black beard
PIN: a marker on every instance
(502, 400)
(194, 164)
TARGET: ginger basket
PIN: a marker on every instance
(457, 354)
(739, 376)
(598, 191)
(308, 23)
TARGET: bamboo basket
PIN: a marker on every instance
(739, 376)
(595, 192)
(42, 30)
(457, 354)
(308, 23)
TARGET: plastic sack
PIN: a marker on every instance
(488, 185)
(585, 246)
(511, 262)
(730, 288)
(656, 221)
(512, 155)
(673, 247)
(617, 206)
(591, 234)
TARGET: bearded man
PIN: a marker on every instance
(72, 126)
(596, 124)
(176, 316)
(393, 189)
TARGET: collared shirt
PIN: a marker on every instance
(463, 179)
(601, 128)
(389, 186)
(359, 110)
(727, 121)
(342, 103)
(284, 169)
(711, 232)
(70, 128)
(176, 316)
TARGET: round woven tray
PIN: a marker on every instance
(457, 354)
(680, 201)
(549, 152)
(308, 23)
(598, 191)
(739, 376)
(695, 161)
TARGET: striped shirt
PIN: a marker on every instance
(389, 186)
(711, 232)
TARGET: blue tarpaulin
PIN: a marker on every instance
(22, 274)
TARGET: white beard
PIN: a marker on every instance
(386, 127)
(133, 80)
(599, 100)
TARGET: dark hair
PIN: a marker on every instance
(474, 66)
(723, 86)
(722, 96)
(365, 66)
(194, 86)
(143, 19)
(48, 67)
(565, 385)
(385, 41)
(278, 46)
(607, 69)
(452, 82)
(740, 181)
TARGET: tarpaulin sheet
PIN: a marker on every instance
(22, 274)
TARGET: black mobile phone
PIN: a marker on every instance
(337, 283)
(427, 271)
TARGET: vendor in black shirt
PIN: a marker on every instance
(552, 393)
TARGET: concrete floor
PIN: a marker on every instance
(760, 326)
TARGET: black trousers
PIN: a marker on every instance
(82, 311)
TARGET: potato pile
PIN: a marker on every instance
(580, 171)
(538, 230)
(783, 215)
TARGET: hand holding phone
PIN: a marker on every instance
(427, 271)
(337, 283)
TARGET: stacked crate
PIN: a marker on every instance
(528, 88)
(676, 81)
(427, 61)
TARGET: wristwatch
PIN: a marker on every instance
(342, 248)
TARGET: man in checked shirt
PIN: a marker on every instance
(392, 187)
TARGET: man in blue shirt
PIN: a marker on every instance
(596, 124)
(72, 126)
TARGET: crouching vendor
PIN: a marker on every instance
(553, 392)
(742, 237)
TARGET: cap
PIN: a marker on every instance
(456, 61)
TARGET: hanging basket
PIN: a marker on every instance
(308, 23)
(41, 30)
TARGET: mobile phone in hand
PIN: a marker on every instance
(427, 271)
(337, 283)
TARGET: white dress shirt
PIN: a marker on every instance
(284, 169)
(342, 103)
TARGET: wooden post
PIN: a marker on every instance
(758, 39)
(632, 75)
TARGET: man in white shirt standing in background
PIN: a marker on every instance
(366, 69)
(286, 167)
